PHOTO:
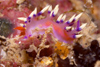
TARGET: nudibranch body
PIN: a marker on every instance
(65, 31)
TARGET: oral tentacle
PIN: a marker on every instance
(78, 26)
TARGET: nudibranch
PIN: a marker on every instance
(64, 31)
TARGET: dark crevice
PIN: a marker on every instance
(6, 27)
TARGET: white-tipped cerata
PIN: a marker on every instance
(73, 28)
(44, 9)
(51, 13)
(78, 16)
(78, 36)
(83, 25)
(33, 12)
(22, 18)
(68, 28)
(56, 9)
(22, 25)
(71, 19)
(63, 18)
(50, 8)
(59, 18)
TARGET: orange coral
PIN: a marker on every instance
(62, 51)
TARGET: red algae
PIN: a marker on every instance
(10, 11)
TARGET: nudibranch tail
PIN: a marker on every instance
(65, 31)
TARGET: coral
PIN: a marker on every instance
(9, 11)
(88, 36)
(23, 56)
(97, 64)
(87, 57)
(62, 51)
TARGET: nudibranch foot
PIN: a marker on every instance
(65, 31)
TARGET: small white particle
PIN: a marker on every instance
(20, 1)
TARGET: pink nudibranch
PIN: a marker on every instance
(63, 31)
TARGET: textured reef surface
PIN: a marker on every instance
(49, 33)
